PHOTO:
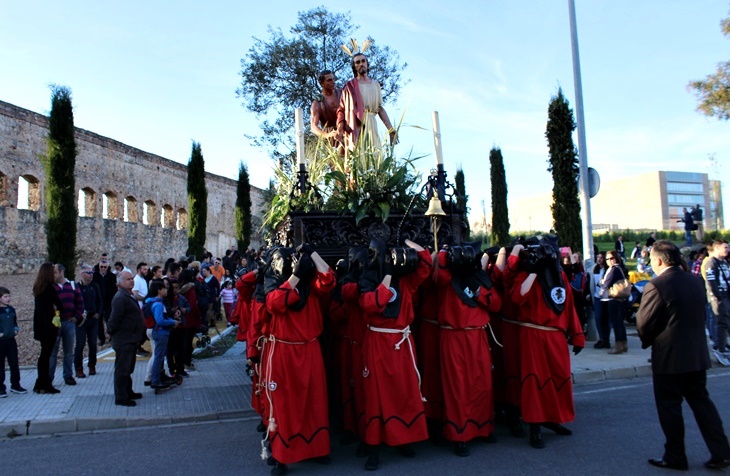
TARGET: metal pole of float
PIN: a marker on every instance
(583, 181)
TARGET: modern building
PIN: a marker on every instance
(650, 201)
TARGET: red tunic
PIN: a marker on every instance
(547, 387)
(466, 364)
(242, 313)
(394, 412)
(511, 382)
(355, 334)
(296, 387)
(429, 362)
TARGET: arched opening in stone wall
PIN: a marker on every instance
(167, 217)
(4, 190)
(149, 211)
(181, 219)
(109, 206)
(131, 214)
(29, 193)
(87, 202)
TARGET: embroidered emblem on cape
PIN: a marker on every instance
(272, 386)
(365, 373)
(558, 295)
(468, 292)
(395, 294)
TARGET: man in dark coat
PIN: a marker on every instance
(126, 327)
(671, 322)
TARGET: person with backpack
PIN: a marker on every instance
(154, 308)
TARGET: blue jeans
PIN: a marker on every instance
(711, 323)
(159, 356)
(89, 331)
(68, 337)
(688, 237)
(616, 317)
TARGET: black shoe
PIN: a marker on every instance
(517, 430)
(460, 449)
(161, 385)
(601, 345)
(69, 381)
(261, 428)
(147, 383)
(279, 468)
(19, 390)
(406, 451)
(183, 374)
(324, 460)
(557, 428)
(373, 460)
(52, 390)
(135, 395)
(536, 437)
(717, 463)
(660, 463)
(270, 461)
(126, 403)
(142, 353)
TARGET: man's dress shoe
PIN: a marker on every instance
(660, 463)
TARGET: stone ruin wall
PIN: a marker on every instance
(115, 173)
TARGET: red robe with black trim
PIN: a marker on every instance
(294, 376)
(245, 285)
(355, 335)
(394, 412)
(466, 364)
(429, 361)
(547, 387)
(511, 371)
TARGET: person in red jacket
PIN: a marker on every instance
(546, 316)
(466, 296)
(294, 376)
(394, 412)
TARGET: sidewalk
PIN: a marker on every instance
(219, 389)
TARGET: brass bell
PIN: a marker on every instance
(434, 206)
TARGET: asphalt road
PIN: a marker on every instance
(616, 430)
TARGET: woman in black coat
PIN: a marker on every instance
(46, 304)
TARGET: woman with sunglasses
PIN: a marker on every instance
(614, 274)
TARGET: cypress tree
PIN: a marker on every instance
(59, 164)
(500, 214)
(197, 201)
(462, 197)
(243, 208)
(563, 163)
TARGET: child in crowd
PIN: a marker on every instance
(8, 346)
(228, 298)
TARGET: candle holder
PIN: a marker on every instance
(302, 187)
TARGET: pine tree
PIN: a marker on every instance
(563, 164)
(462, 198)
(500, 214)
(60, 190)
(243, 208)
(197, 201)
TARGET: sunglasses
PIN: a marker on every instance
(88, 272)
(610, 258)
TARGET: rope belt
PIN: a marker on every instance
(533, 326)
(449, 328)
(406, 333)
(268, 387)
(431, 321)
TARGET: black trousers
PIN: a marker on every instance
(44, 382)
(9, 351)
(176, 351)
(669, 391)
(126, 358)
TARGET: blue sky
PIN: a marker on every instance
(157, 75)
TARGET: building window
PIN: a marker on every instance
(683, 187)
(87, 202)
(149, 211)
(684, 177)
(29, 193)
(167, 217)
(109, 206)
(181, 219)
(130, 210)
(684, 200)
